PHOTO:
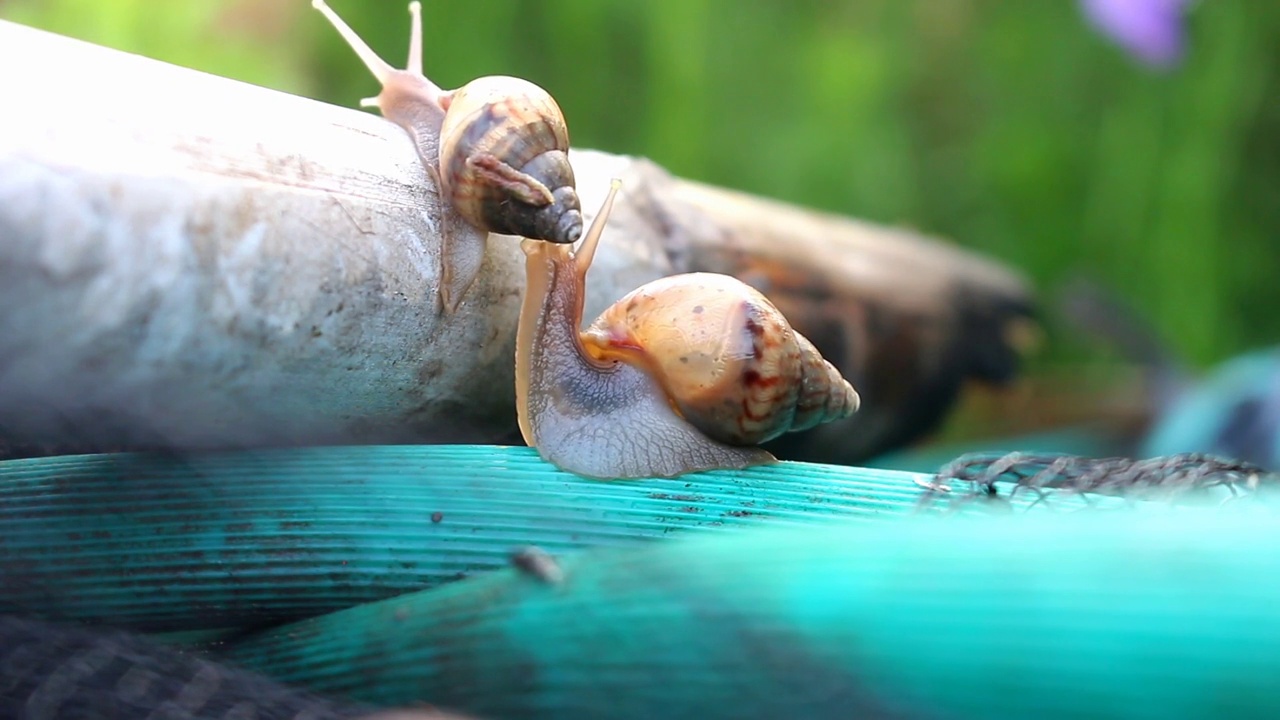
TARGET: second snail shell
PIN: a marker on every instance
(729, 362)
(504, 160)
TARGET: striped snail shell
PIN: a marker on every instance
(504, 160)
(686, 373)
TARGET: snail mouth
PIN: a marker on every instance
(530, 247)
(541, 248)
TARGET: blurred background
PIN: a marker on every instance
(1131, 143)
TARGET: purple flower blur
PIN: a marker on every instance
(1151, 30)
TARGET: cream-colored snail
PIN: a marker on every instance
(689, 372)
(497, 147)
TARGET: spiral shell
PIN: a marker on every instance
(504, 160)
(729, 362)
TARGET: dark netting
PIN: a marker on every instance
(51, 671)
(1025, 480)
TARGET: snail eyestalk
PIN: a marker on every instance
(380, 68)
(414, 63)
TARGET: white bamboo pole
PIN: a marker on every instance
(190, 260)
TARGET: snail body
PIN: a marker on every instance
(686, 373)
(497, 148)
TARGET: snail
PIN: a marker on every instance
(688, 372)
(497, 148)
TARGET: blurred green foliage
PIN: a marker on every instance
(1010, 127)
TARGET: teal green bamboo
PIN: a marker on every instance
(1098, 615)
(225, 540)
(234, 540)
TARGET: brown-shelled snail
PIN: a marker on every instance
(689, 372)
(497, 147)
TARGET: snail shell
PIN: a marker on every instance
(497, 147)
(504, 160)
(730, 363)
(686, 373)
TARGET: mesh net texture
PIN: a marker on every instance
(1025, 480)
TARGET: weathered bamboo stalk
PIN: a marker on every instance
(189, 260)
(192, 262)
